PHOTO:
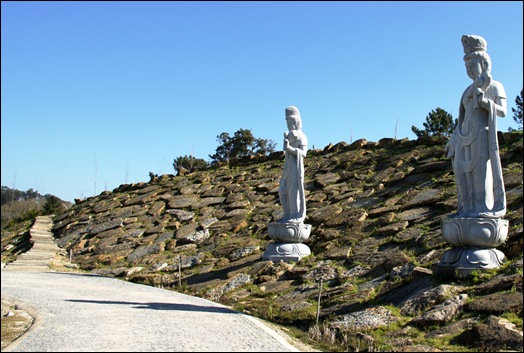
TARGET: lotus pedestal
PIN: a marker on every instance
(475, 240)
(288, 241)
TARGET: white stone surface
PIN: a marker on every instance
(477, 228)
(473, 147)
(290, 231)
(291, 189)
(286, 252)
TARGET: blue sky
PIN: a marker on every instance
(99, 94)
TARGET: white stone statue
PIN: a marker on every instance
(473, 146)
(291, 190)
(477, 228)
(290, 231)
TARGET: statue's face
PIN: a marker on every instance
(474, 68)
(291, 122)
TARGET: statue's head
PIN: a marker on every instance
(475, 49)
(473, 43)
(293, 117)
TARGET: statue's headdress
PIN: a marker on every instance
(476, 47)
(473, 43)
(292, 110)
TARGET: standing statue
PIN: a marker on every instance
(290, 231)
(473, 147)
(291, 190)
(477, 228)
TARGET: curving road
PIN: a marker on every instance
(90, 313)
(78, 312)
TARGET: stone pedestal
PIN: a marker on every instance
(286, 252)
(475, 240)
(288, 241)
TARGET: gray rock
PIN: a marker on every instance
(369, 318)
(441, 313)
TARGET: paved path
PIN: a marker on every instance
(90, 313)
(77, 312)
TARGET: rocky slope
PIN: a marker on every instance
(375, 208)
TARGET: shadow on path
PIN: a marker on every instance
(160, 306)
(80, 274)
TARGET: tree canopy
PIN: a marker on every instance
(241, 144)
(438, 123)
(9, 195)
(517, 113)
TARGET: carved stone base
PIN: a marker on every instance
(475, 240)
(286, 252)
(289, 232)
(466, 259)
(480, 232)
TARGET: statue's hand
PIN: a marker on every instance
(449, 149)
(482, 101)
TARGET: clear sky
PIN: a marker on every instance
(97, 94)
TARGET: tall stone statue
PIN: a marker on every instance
(476, 229)
(473, 147)
(291, 190)
(290, 231)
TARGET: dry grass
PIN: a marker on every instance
(15, 322)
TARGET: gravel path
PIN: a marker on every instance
(90, 313)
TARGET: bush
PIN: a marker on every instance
(189, 163)
(54, 206)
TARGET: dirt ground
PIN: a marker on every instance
(14, 322)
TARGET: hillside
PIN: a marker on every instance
(23, 205)
(375, 208)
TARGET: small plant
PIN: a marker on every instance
(324, 336)
(514, 319)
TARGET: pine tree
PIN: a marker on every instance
(438, 123)
(517, 113)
